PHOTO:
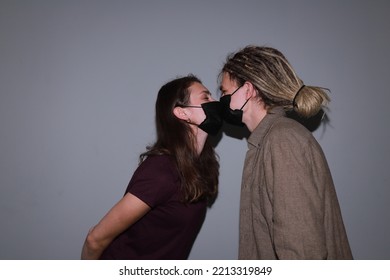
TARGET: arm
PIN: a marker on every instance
(125, 213)
(298, 225)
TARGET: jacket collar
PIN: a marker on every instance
(264, 126)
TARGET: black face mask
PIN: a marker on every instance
(213, 122)
(231, 116)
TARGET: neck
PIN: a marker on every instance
(254, 115)
(200, 138)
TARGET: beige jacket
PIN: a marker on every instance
(289, 207)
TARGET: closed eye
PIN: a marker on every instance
(222, 92)
(206, 96)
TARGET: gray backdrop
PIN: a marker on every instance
(78, 83)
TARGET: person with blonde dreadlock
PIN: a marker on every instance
(289, 207)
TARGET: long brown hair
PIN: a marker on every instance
(199, 173)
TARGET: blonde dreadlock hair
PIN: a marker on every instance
(275, 80)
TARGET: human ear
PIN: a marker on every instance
(250, 90)
(180, 113)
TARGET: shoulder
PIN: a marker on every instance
(289, 136)
(161, 167)
(285, 128)
(156, 180)
(158, 161)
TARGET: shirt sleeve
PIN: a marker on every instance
(298, 211)
(155, 180)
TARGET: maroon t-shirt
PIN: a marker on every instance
(169, 230)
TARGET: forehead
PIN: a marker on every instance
(197, 89)
(227, 82)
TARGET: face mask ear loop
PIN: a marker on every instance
(235, 90)
(245, 103)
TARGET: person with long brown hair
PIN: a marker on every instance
(289, 207)
(165, 203)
